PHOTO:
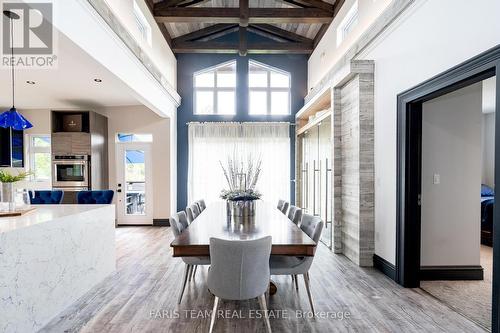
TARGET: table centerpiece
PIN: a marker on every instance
(242, 180)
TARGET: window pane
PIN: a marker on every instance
(127, 137)
(204, 80)
(204, 102)
(279, 80)
(257, 79)
(226, 102)
(41, 166)
(258, 102)
(41, 141)
(226, 79)
(279, 102)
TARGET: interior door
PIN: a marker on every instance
(134, 183)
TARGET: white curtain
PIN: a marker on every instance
(212, 142)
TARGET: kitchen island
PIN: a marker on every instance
(49, 258)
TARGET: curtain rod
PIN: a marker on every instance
(241, 122)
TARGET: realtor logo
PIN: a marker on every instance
(30, 33)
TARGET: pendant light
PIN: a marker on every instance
(12, 118)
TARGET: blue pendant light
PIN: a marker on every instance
(12, 118)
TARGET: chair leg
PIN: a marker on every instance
(194, 273)
(186, 272)
(306, 281)
(214, 314)
(191, 269)
(296, 282)
(263, 306)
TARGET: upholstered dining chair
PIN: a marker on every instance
(54, 197)
(284, 209)
(178, 223)
(192, 212)
(285, 265)
(201, 205)
(104, 197)
(295, 214)
(239, 271)
(280, 204)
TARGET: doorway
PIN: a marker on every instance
(409, 175)
(134, 183)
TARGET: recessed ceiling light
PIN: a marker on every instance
(98, 80)
(30, 82)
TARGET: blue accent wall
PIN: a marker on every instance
(188, 64)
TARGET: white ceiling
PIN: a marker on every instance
(71, 85)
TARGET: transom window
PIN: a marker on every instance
(269, 90)
(215, 90)
(128, 137)
(348, 24)
(142, 24)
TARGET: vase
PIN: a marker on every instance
(8, 196)
(241, 208)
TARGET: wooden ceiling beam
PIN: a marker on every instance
(167, 3)
(271, 31)
(311, 4)
(244, 13)
(210, 31)
(243, 46)
(232, 15)
(234, 47)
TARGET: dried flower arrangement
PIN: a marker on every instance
(242, 179)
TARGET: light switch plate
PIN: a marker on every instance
(436, 179)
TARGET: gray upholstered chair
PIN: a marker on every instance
(284, 265)
(239, 271)
(178, 223)
(201, 204)
(280, 204)
(284, 209)
(295, 214)
(192, 212)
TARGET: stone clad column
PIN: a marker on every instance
(353, 170)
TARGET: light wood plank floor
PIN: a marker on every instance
(147, 282)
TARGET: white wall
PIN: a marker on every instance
(159, 51)
(327, 53)
(451, 148)
(488, 144)
(102, 44)
(488, 128)
(429, 38)
(141, 120)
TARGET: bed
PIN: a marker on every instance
(487, 203)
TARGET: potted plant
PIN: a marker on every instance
(7, 181)
(242, 179)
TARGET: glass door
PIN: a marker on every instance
(134, 186)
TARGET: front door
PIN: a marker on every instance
(134, 185)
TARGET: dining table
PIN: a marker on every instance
(218, 222)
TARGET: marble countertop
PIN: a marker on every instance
(43, 214)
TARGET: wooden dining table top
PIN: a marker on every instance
(214, 221)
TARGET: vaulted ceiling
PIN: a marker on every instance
(288, 26)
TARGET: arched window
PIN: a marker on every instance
(215, 90)
(269, 90)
